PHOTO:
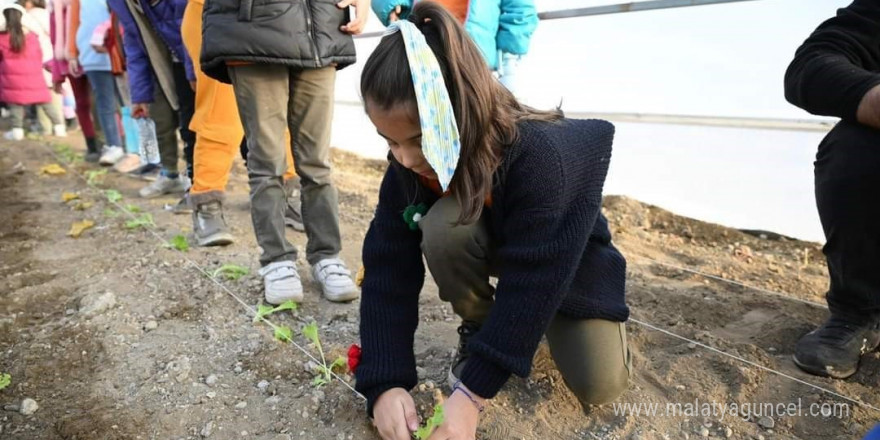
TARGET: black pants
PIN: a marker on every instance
(186, 98)
(847, 171)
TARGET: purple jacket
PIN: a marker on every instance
(165, 18)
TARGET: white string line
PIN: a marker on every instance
(199, 268)
(754, 364)
(733, 282)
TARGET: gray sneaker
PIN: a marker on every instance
(163, 185)
(209, 225)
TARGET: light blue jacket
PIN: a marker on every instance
(91, 14)
(494, 25)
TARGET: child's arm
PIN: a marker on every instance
(140, 72)
(72, 29)
(517, 23)
(384, 8)
(393, 277)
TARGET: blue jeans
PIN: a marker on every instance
(106, 101)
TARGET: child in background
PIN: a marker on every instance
(219, 136)
(487, 187)
(160, 74)
(37, 20)
(85, 17)
(62, 73)
(21, 72)
(502, 29)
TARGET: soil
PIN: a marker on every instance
(116, 336)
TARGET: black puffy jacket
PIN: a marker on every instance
(295, 33)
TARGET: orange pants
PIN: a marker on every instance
(216, 121)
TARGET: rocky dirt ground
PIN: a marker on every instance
(115, 336)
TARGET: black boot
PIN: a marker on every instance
(835, 348)
(92, 153)
(466, 331)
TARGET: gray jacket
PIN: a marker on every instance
(296, 33)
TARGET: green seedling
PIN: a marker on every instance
(5, 380)
(134, 209)
(232, 272)
(264, 310)
(430, 425)
(111, 213)
(324, 371)
(178, 242)
(66, 153)
(94, 177)
(113, 195)
(145, 220)
(283, 333)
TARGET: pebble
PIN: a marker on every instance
(263, 385)
(211, 380)
(241, 405)
(211, 394)
(310, 367)
(274, 400)
(728, 433)
(237, 369)
(151, 325)
(766, 423)
(29, 406)
(421, 372)
(680, 387)
(206, 431)
(96, 303)
(319, 395)
(704, 432)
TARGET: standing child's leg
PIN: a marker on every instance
(17, 114)
(311, 115)
(82, 96)
(53, 113)
(105, 96)
(165, 117)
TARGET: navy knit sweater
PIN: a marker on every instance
(553, 243)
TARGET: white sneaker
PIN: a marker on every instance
(16, 134)
(128, 163)
(282, 282)
(335, 280)
(59, 130)
(163, 185)
(111, 155)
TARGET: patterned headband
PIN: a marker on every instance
(441, 144)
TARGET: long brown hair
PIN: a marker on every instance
(14, 28)
(486, 112)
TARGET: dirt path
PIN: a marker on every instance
(117, 337)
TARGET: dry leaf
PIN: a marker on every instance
(53, 170)
(359, 277)
(77, 228)
(83, 205)
(68, 196)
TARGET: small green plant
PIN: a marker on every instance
(430, 425)
(94, 177)
(283, 333)
(109, 212)
(5, 380)
(232, 272)
(264, 310)
(134, 209)
(113, 195)
(178, 242)
(325, 371)
(67, 153)
(145, 220)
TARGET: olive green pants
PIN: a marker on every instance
(591, 354)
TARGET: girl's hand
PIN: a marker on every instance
(361, 11)
(461, 418)
(73, 67)
(395, 415)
